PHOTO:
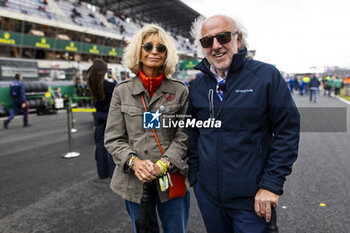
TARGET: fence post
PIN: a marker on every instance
(70, 153)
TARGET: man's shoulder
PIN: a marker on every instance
(262, 70)
(260, 66)
(200, 77)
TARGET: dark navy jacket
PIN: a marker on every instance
(258, 139)
(103, 105)
(17, 92)
(314, 82)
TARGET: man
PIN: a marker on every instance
(337, 85)
(330, 85)
(238, 170)
(19, 102)
(314, 84)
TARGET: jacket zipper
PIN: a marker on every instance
(220, 159)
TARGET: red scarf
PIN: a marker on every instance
(151, 84)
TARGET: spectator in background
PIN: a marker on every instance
(291, 84)
(122, 29)
(82, 91)
(42, 8)
(324, 85)
(76, 13)
(101, 93)
(330, 83)
(58, 94)
(314, 85)
(3, 3)
(301, 85)
(111, 20)
(44, 107)
(337, 85)
(19, 102)
(306, 80)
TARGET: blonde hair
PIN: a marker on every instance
(132, 52)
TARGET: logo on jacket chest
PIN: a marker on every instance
(249, 90)
(169, 97)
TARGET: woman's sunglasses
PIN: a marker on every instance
(148, 47)
(223, 38)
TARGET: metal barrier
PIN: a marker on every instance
(71, 129)
(70, 153)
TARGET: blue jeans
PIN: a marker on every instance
(219, 219)
(313, 94)
(173, 213)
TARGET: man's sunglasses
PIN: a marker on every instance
(148, 47)
(223, 38)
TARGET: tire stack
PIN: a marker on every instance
(35, 89)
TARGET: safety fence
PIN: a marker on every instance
(70, 127)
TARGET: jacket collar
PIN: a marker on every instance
(238, 61)
(165, 87)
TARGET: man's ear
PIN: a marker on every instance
(239, 40)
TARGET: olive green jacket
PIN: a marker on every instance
(125, 133)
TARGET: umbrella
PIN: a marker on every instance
(273, 222)
(145, 223)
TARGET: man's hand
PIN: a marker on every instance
(23, 105)
(263, 201)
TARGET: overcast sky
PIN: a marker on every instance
(294, 35)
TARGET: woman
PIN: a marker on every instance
(101, 92)
(139, 158)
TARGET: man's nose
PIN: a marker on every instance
(216, 44)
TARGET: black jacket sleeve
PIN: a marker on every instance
(285, 121)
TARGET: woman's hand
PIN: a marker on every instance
(144, 170)
(157, 169)
(113, 77)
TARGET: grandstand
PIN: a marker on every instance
(64, 36)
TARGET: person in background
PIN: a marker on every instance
(306, 80)
(101, 93)
(314, 85)
(291, 82)
(337, 85)
(296, 86)
(330, 83)
(324, 85)
(143, 155)
(301, 85)
(238, 168)
(58, 93)
(19, 102)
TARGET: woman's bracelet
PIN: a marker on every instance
(162, 166)
(168, 164)
(131, 161)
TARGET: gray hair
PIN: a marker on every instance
(196, 33)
